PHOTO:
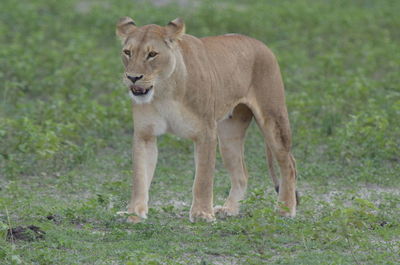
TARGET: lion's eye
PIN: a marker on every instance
(127, 52)
(152, 54)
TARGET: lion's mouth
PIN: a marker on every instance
(140, 91)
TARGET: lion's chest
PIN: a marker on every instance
(172, 117)
(180, 121)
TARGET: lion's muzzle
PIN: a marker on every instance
(139, 91)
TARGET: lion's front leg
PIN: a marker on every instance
(144, 163)
(202, 205)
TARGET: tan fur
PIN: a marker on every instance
(207, 90)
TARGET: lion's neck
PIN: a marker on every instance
(175, 85)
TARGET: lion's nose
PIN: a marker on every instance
(134, 78)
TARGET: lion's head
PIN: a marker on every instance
(148, 55)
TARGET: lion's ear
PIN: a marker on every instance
(125, 26)
(175, 29)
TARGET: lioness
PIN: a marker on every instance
(202, 89)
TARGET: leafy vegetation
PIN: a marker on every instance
(65, 137)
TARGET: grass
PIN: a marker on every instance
(65, 138)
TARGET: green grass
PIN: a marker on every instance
(65, 138)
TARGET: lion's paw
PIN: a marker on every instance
(286, 213)
(133, 219)
(224, 211)
(196, 216)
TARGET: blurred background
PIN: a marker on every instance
(61, 98)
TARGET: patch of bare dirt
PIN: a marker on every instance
(29, 233)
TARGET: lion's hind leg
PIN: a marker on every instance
(276, 130)
(231, 134)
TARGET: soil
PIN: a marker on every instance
(29, 233)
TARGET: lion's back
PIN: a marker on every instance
(239, 52)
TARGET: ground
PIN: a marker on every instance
(65, 138)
